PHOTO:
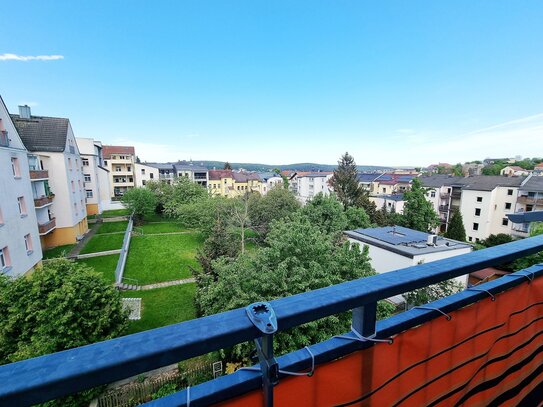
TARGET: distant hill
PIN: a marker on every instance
(299, 166)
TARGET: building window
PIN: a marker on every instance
(479, 199)
(477, 211)
(75, 207)
(143, 182)
(475, 226)
(508, 205)
(70, 163)
(151, 175)
(85, 162)
(73, 185)
(143, 171)
(5, 260)
(22, 205)
(130, 179)
(89, 193)
(470, 239)
(87, 177)
(105, 162)
(129, 169)
(28, 244)
(15, 167)
(433, 194)
(505, 222)
(509, 192)
(118, 169)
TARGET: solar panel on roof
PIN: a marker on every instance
(396, 236)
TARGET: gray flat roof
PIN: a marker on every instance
(403, 241)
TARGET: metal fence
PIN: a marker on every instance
(119, 270)
(51, 376)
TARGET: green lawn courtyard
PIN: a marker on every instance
(111, 227)
(59, 251)
(163, 306)
(158, 258)
(105, 265)
(102, 243)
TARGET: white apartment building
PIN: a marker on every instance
(57, 171)
(395, 247)
(145, 173)
(392, 202)
(310, 184)
(120, 160)
(485, 202)
(96, 180)
(20, 249)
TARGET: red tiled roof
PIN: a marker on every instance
(516, 168)
(108, 150)
(217, 175)
(488, 272)
(540, 165)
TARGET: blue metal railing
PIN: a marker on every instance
(50, 376)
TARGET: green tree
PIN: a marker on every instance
(326, 213)
(456, 230)
(457, 170)
(299, 258)
(163, 192)
(495, 240)
(276, 204)
(357, 218)
(227, 166)
(345, 182)
(418, 212)
(60, 306)
(140, 201)
(536, 229)
(432, 293)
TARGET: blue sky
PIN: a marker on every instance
(392, 82)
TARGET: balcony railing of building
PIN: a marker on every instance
(445, 196)
(443, 208)
(51, 376)
(44, 228)
(4, 139)
(37, 175)
(43, 201)
(530, 200)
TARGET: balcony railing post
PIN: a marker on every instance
(268, 366)
(364, 319)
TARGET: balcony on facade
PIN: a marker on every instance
(4, 139)
(39, 175)
(535, 199)
(43, 201)
(443, 208)
(47, 227)
(445, 196)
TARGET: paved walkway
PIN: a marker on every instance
(79, 246)
(167, 284)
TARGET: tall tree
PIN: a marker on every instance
(60, 306)
(227, 166)
(276, 204)
(456, 228)
(140, 201)
(299, 258)
(418, 212)
(345, 182)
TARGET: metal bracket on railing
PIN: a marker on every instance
(447, 316)
(492, 297)
(308, 374)
(361, 338)
(263, 317)
(530, 276)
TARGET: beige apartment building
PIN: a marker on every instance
(56, 173)
(96, 179)
(120, 161)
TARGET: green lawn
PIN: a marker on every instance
(59, 251)
(163, 306)
(154, 259)
(115, 212)
(157, 217)
(101, 243)
(110, 227)
(104, 265)
(168, 227)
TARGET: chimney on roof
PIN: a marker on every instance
(24, 112)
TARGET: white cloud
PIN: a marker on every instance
(15, 57)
